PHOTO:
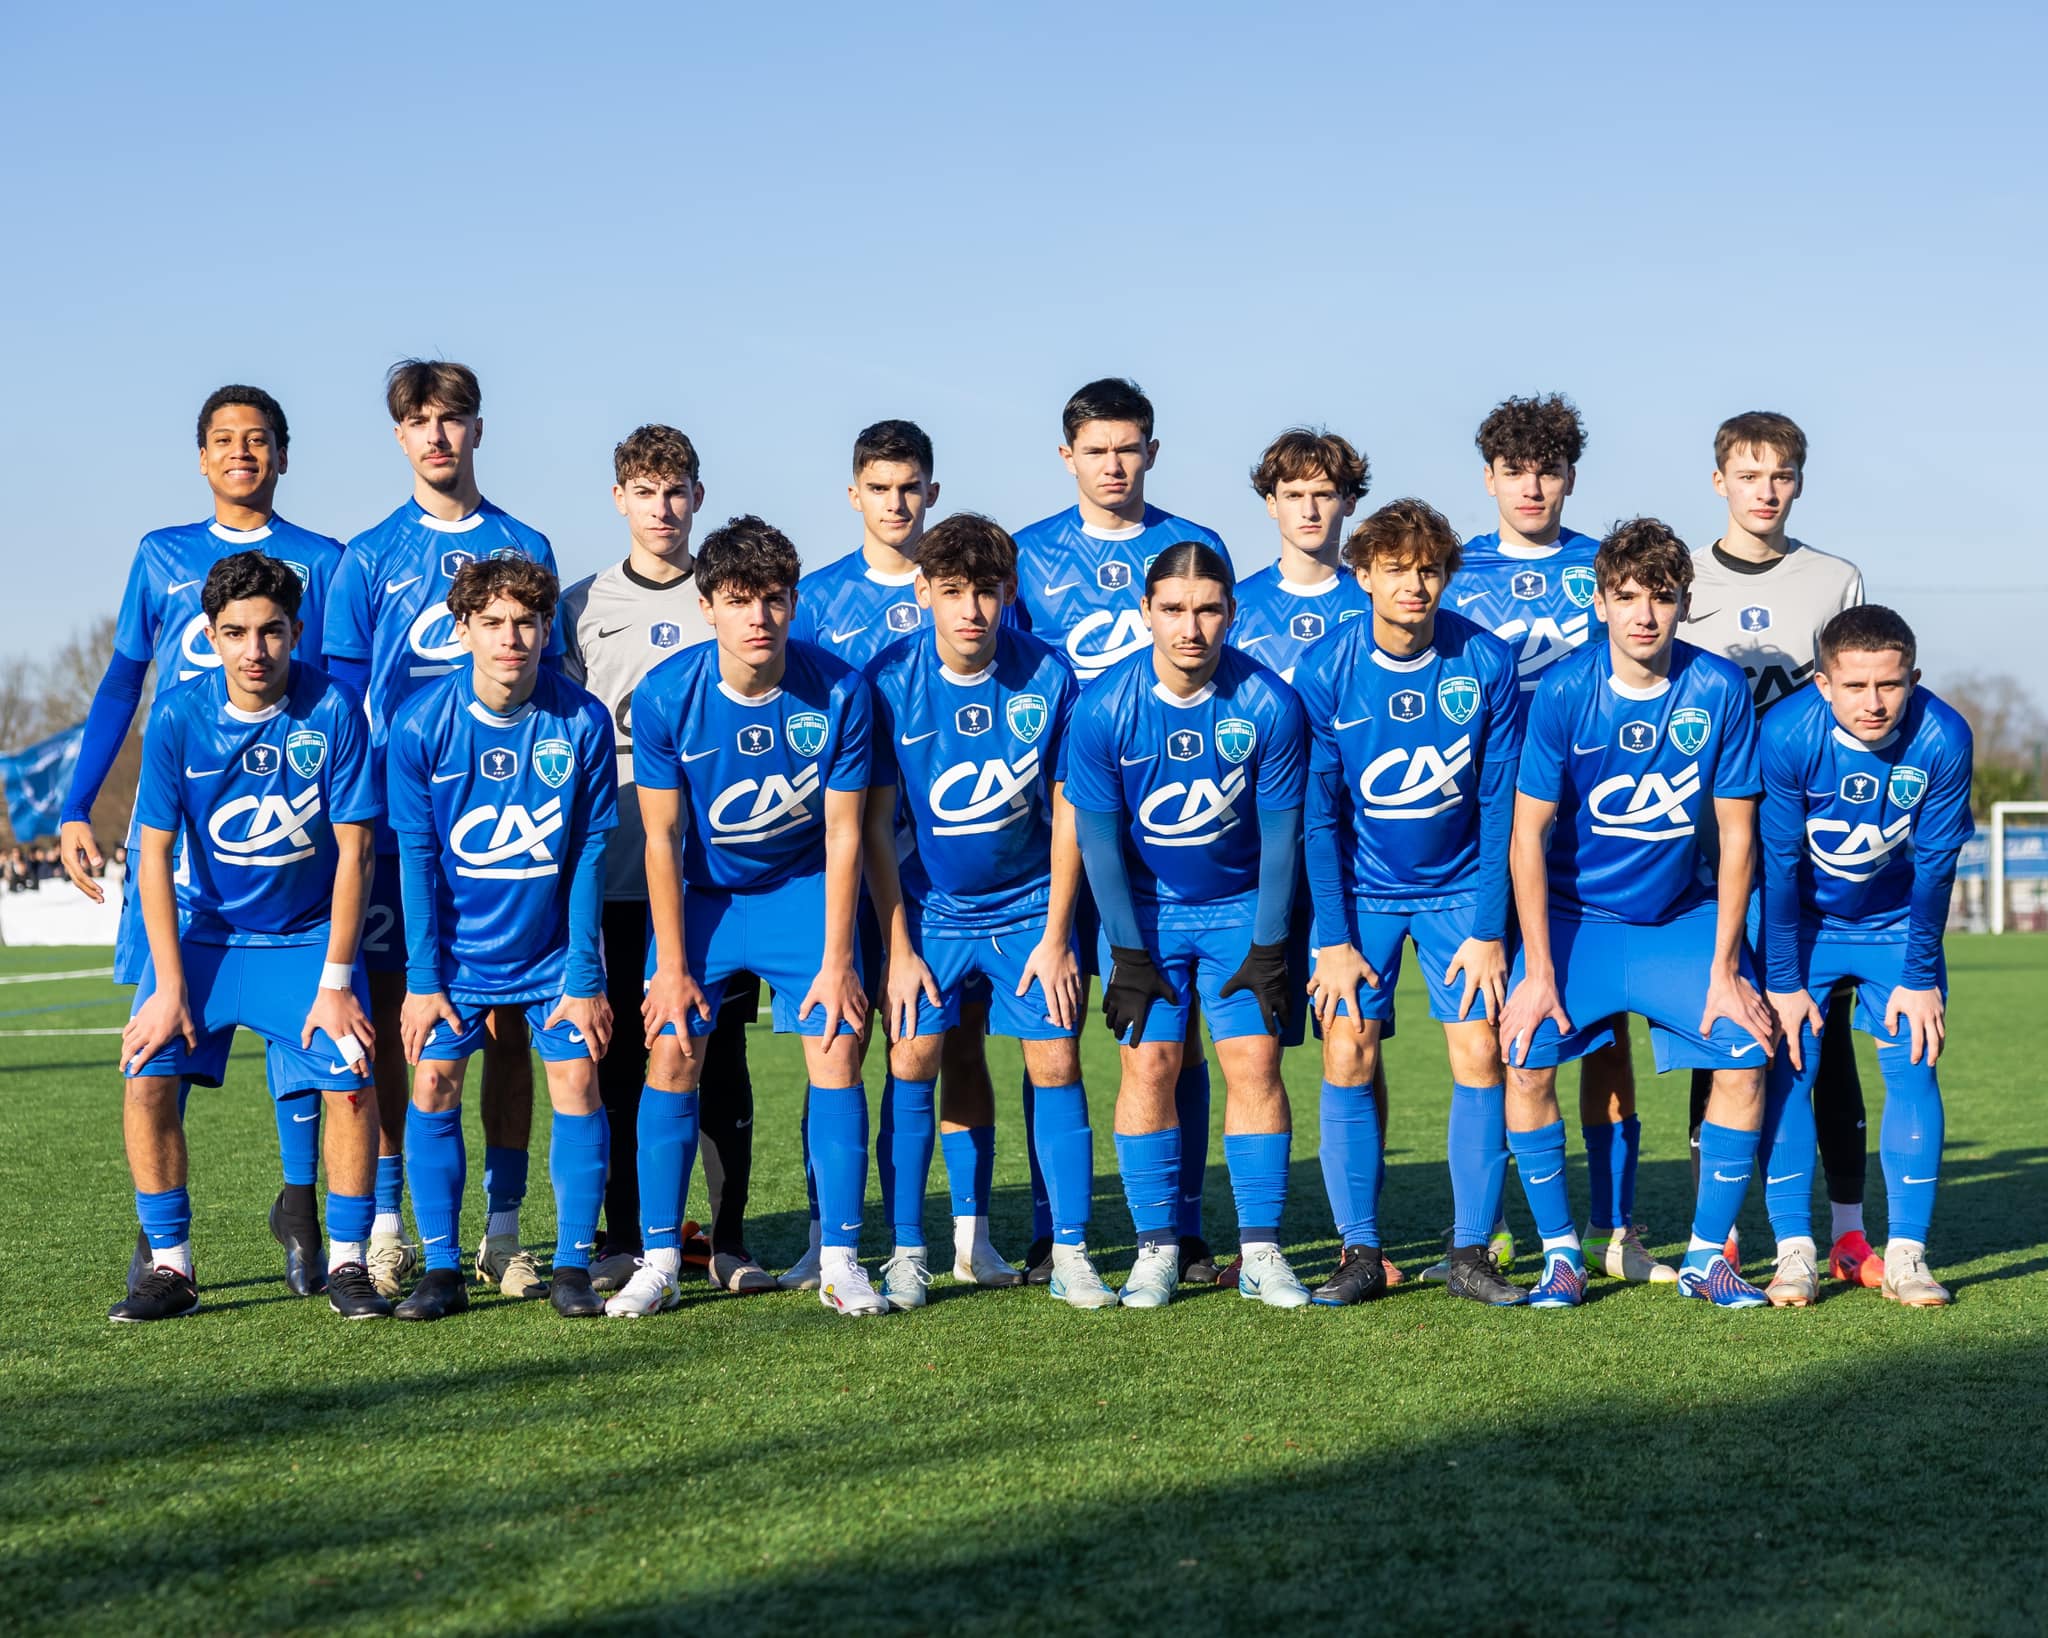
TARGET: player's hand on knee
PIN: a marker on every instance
(907, 979)
(160, 1020)
(341, 1017)
(82, 861)
(589, 1016)
(417, 1018)
(1053, 968)
(1733, 997)
(1795, 1013)
(1926, 1016)
(1484, 962)
(1341, 975)
(836, 989)
(1263, 973)
(670, 999)
(1534, 1001)
(1134, 984)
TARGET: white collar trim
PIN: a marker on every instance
(239, 715)
(238, 537)
(1320, 588)
(490, 719)
(461, 526)
(1656, 690)
(1200, 696)
(1856, 744)
(749, 700)
(1130, 533)
(967, 679)
(1414, 662)
(882, 579)
(1531, 554)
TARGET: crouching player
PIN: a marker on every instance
(970, 727)
(503, 788)
(751, 754)
(1169, 750)
(1620, 908)
(1414, 722)
(1866, 804)
(265, 767)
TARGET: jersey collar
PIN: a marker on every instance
(1320, 588)
(1414, 662)
(441, 526)
(1531, 554)
(880, 579)
(1131, 533)
(1656, 690)
(1200, 696)
(238, 537)
(748, 700)
(237, 714)
(1855, 744)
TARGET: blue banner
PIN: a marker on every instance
(2026, 853)
(37, 780)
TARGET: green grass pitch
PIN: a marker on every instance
(998, 1462)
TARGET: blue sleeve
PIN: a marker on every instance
(106, 730)
(1063, 711)
(1540, 770)
(312, 644)
(600, 771)
(353, 795)
(584, 975)
(420, 900)
(1781, 834)
(135, 626)
(1735, 763)
(850, 756)
(1501, 757)
(1937, 838)
(156, 792)
(347, 617)
(352, 671)
(1279, 863)
(408, 804)
(1092, 779)
(656, 766)
(1283, 758)
(1322, 841)
(882, 769)
(1102, 857)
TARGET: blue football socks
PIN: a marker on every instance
(579, 1149)
(1909, 1142)
(1477, 1138)
(839, 1161)
(1350, 1155)
(166, 1217)
(390, 1184)
(1042, 1214)
(903, 1154)
(1539, 1157)
(1150, 1164)
(970, 1168)
(1191, 1110)
(1727, 1157)
(298, 1137)
(504, 1178)
(438, 1167)
(349, 1217)
(1258, 1183)
(665, 1138)
(1789, 1143)
(1065, 1151)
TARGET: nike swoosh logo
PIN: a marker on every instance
(695, 756)
(575, 1037)
(739, 1124)
(1787, 1178)
(442, 779)
(842, 636)
(1064, 586)
(182, 585)
(1469, 597)
(1253, 642)
(848, 1228)
(1723, 1177)
(339, 1069)
(916, 739)
(393, 587)
(1545, 1178)
(611, 631)
(1589, 750)
(1747, 1046)
(669, 1230)
(590, 1245)
(202, 773)
(434, 1239)
(1133, 761)
(332, 1069)
(1353, 723)
(1905, 1179)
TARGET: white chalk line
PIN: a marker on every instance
(47, 978)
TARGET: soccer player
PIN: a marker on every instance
(1081, 574)
(617, 625)
(502, 792)
(1620, 909)
(1414, 721)
(1866, 805)
(264, 766)
(1195, 894)
(751, 754)
(244, 447)
(1529, 581)
(970, 735)
(1311, 482)
(390, 634)
(1761, 598)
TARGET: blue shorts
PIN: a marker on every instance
(383, 946)
(1659, 971)
(1379, 936)
(266, 989)
(1876, 966)
(1197, 962)
(777, 933)
(562, 1044)
(987, 967)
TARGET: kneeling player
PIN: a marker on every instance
(1625, 741)
(264, 766)
(1414, 722)
(751, 754)
(970, 725)
(1866, 804)
(1169, 748)
(502, 792)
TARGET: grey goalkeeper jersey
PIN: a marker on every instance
(616, 627)
(1767, 618)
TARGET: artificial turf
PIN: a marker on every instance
(998, 1462)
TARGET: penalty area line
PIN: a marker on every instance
(8, 1034)
(50, 978)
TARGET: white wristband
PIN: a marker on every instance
(337, 975)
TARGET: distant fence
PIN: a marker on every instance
(2026, 882)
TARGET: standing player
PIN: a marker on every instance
(263, 766)
(1624, 746)
(1530, 582)
(751, 754)
(617, 625)
(244, 446)
(1414, 721)
(1311, 482)
(1866, 804)
(1081, 574)
(1195, 896)
(390, 633)
(970, 728)
(1761, 598)
(502, 793)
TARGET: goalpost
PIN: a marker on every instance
(1995, 865)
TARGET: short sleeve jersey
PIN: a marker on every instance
(1278, 619)
(161, 619)
(853, 610)
(1536, 599)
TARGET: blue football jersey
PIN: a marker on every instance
(257, 797)
(751, 772)
(1537, 599)
(1277, 619)
(1189, 777)
(1845, 823)
(1079, 590)
(1632, 773)
(160, 618)
(853, 611)
(974, 760)
(508, 802)
(1412, 739)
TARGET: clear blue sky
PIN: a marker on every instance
(773, 225)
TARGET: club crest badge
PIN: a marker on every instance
(1026, 714)
(756, 739)
(1459, 698)
(1859, 787)
(1906, 786)
(1754, 618)
(1689, 728)
(554, 760)
(260, 759)
(1579, 586)
(901, 617)
(1184, 744)
(970, 720)
(1113, 576)
(1235, 738)
(664, 634)
(806, 731)
(1637, 736)
(1305, 628)
(298, 569)
(454, 561)
(498, 763)
(1529, 585)
(306, 750)
(1407, 706)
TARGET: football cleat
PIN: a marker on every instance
(1733, 1250)
(1564, 1280)
(1719, 1284)
(163, 1294)
(1907, 1279)
(737, 1272)
(441, 1292)
(1154, 1276)
(1361, 1277)
(305, 1258)
(1265, 1277)
(1439, 1271)
(392, 1258)
(696, 1245)
(1475, 1276)
(1501, 1242)
(572, 1295)
(1197, 1261)
(982, 1264)
(612, 1270)
(801, 1275)
(1075, 1282)
(139, 1262)
(1853, 1261)
(1796, 1282)
(846, 1290)
(649, 1291)
(1038, 1269)
(1623, 1256)
(502, 1261)
(353, 1295)
(904, 1277)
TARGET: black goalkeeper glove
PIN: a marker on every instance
(1134, 984)
(1264, 973)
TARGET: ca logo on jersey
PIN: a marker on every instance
(554, 760)
(1127, 633)
(777, 805)
(1418, 784)
(1206, 810)
(1305, 628)
(514, 834)
(1637, 737)
(1579, 586)
(1529, 585)
(276, 832)
(432, 639)
(973, 719)
(806, 732)
(1026, 716)
(901, 617)
(1184, 744)
(999, 795)
(1906, 786)
(1689, 728)
(1113, 576)
(306, 750)
(756, 739)
(1407, 706)
(1544, 642)
(1459, 698)
(664, 634)
(1754, 618)
(498, 763)
(1864, 850)
(1235, 737)
(1859, 787)
(1650, 809)
(261, 759)
(196, 649)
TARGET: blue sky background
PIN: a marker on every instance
(771, 226)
